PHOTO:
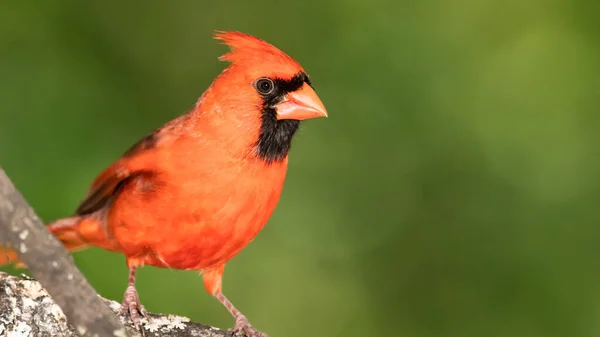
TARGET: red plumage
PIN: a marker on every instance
(196, 191)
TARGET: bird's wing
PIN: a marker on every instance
(133, 163)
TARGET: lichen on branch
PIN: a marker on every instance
(26, 309)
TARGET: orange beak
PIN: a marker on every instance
(301, 104)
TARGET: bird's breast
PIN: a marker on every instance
(201, 218)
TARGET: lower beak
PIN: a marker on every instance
(301, 104)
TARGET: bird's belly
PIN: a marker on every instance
(195, 246)
(190, 231)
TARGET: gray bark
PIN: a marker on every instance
(52, 265)
(26, 309)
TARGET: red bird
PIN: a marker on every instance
(193, 193)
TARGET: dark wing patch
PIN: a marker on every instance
(101, 196)
(143, 144)
(110, 182)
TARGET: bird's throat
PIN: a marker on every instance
(275, 137)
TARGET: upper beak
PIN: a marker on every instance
(301, 104)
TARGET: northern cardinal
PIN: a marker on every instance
(193, 193)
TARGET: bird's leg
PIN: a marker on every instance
(212, 281)
(131, 301)
(241, 322)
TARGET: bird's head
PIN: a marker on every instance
(274, 78)
(265, 85)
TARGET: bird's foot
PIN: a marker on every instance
(243, 328)
(131, 305)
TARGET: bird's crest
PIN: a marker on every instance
(250, 50)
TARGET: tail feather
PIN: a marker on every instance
(66, 230)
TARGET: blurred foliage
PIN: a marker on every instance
(451, 192)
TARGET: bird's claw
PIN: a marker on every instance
(243, 328)
(131, 306)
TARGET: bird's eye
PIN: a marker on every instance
(265, 86)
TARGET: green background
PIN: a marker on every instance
(451, 192)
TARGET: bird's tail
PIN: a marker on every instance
(67, 230)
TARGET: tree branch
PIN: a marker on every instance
(26, 309)
(49, 262)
